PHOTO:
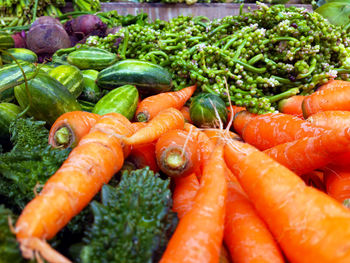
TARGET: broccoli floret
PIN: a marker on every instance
(9, 249)
(134, 221)
(30, 163)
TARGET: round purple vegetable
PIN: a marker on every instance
(47, 38)
(87, 24)
(44, 20)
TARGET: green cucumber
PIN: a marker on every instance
(86, 105)
(91, 58)
(45, 68)
(8, 113)
(49, 98)
(91, 92)
(19, 54)
(6, 41)
(149, 78)
(205, 109)
(71, 77)
(121, 100)
(9, 74)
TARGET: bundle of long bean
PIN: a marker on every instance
(263, 56)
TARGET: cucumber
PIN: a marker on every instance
(203, 110)
(121, 100)
(86, 105)
(50, 99)
(9, 74)
(8, 113)
(6, 41)
(19, 54)
(46, 68)
(91, 92)
(71, 77)
(91, 58)
(149, 78)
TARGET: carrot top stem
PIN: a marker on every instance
(142, 117)
(175, 158)
(63, 136)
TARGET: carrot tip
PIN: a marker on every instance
(142, 117)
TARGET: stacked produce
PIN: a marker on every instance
(171, 141)
(263, 56)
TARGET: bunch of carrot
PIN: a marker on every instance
(260, 193)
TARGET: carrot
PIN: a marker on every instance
(166, 120)
(334, 84)
(151, 106)
(144, 155)
(199, 234)
(268, 130)
(337, 180)
(205, 145)
(330, 119)
(215, 134)
(185, 191)
(310, 153)
(309, 225)
(246, 235)
(177, 153)
(186, 113)
(97, 157)
(241, 119)
(137, 126)
(70, 127)
(292, 105)
(233, 110)
(332, 98)
(224, 255)
(333, 120)
(314, 179)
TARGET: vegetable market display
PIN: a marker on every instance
(127, 140)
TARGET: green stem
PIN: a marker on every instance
(255, 59)
(285, 81)
(250, 67)
(342, 70)
(311, 69)
(125, 43)
(230, 42)
(218, 28)
(62, 136)
(35, 10)
(239, 49)
(241, 9)
(284, 95)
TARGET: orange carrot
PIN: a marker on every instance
(314, 179)
(233, 110)
(97, 157)
(333, 98)
(177, 153)
(185, 191)
(309, 225)
(292, 105)
(333, 120)
(186, 113)
(137, 126)
(268, 130)
(151, 106)
(166, 120)
(246, 235)
(337, 180)
(144, 155)
(334, 84)
(205, 145)
(310, 153)
(70, 127)
(241, 119)
(199, 234)
(215, 134)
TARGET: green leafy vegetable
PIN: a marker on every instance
(337, 13)
(134, 221)
(30, 163)
(9, 249)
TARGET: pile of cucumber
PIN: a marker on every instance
(89, 79)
